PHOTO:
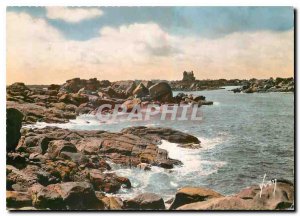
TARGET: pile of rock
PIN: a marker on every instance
(267, 85)
(58, 104)
(200, 100)
(199, 85)
(60, 169)
(53, 168)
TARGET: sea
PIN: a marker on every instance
(243, 137)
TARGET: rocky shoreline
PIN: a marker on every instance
(267, 85)
(57, 169)
(60, 169)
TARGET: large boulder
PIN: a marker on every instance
(126, 86)
(266, 198)
(68, 195)
(140, 91)
(188, 195)
(13, 125)
(269, 197)
(161, 91)
(145, 201)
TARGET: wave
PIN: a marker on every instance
(166, 182)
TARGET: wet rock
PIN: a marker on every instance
(164, 133)
(188, 195)
(198, 98)
(145, 201)
(161, 92)
(201, 102)
(13, 125)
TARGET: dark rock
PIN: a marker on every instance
(164, 133)
(161, 92)
(145, 201)
(13, 125)
(69, 195)
(15, 199)
(140, 91)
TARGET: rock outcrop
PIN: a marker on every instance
(267, 85)
(13, 126)
(251, 198)
(193, 194)
(60, 103)
(145, 201)
(161, 92)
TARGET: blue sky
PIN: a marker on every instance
(210, 22)
(54, 44)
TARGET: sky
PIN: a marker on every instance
(52, 44)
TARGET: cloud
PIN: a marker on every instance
(39, 53)
(72, 15)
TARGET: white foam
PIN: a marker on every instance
(210, 143)
(191, 158)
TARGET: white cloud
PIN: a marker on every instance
(38, 53)
(72, 15)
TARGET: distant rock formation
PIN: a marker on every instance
(188, 76)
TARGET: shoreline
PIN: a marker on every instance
(46, 165)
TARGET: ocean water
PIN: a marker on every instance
(243, 137)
